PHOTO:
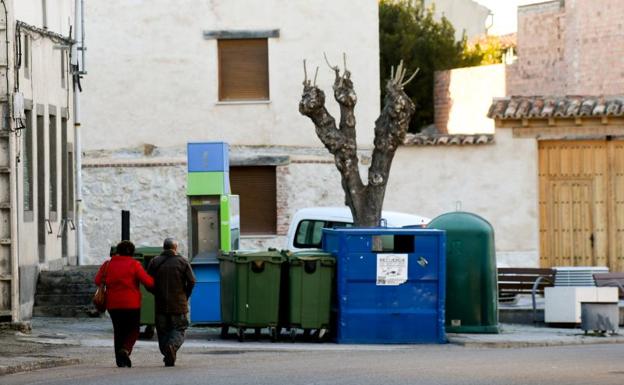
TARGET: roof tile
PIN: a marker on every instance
(532, 107)
(447, 140)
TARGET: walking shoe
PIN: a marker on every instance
(123, 359)
(170, 355)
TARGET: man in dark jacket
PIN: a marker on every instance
(173, 284)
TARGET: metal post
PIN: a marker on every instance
(77, 134)
(125, 225)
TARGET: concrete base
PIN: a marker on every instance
(563, 303)
(524, 316)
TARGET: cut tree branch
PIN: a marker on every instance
(365, 201)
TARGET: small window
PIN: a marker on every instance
(27, 164)
(309, 234)
(63, 68)
(243, 69)
(52, 141)
(26, 56)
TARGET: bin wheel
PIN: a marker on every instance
(320, 335)
(148, 333)
(274, 334)
(241, 334)
(293, 334)
(257, 333)
(225, 331)
(306, 333)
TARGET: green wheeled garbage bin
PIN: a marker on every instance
(310, 280)
(148, 307)
(471, 280)
(250, 291)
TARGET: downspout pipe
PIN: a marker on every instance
(76, 70)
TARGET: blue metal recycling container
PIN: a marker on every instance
(390, 284)
(206, 297)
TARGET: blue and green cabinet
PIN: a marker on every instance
(213, 224)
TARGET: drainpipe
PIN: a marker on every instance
(76, 69)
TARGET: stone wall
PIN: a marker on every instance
(155, 196)
(153, 188)
(494, 180)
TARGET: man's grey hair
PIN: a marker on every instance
(170, 244)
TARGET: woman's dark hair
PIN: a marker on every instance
(125, 248)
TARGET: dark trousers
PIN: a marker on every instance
(125, 328)
(170, 329)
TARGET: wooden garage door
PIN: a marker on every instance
(581, 199)
(258, 198)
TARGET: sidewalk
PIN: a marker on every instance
(64, 341)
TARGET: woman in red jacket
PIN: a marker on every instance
(122, 275)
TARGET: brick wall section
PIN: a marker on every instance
(541, 65)
(441, 99)
(569, 48)
(564, 48)
(283, 213)
(594, 48)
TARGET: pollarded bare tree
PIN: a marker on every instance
(364, 200)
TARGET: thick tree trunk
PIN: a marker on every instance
(365, 201)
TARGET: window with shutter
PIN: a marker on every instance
(27, 164)
(243, 69)
(257, 190)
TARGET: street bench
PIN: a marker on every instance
(523, 280)
(610, 280)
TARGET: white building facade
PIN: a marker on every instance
(37, 196)
(467, 16)
(168, 73)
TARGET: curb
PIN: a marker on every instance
(36, 365)
(529, 344)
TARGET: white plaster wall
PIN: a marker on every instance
(470, 94)
(465, 15)
(498, 182)
(153, 77)
(43, 85)
(60, 14)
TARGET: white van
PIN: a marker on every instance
(305, 229)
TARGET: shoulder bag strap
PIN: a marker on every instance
(104, 273)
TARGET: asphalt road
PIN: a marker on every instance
(447, 364)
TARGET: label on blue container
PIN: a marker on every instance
(391, 269)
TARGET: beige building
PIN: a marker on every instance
(37, 205)
(224, 70)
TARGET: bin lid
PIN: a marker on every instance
(311, 255)
(149, 251)
(461, 221)
(270, 255)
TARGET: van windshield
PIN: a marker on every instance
(310, 232)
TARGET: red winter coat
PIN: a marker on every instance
(123, 275)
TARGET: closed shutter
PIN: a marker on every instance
(243, 69)
(257, 191)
